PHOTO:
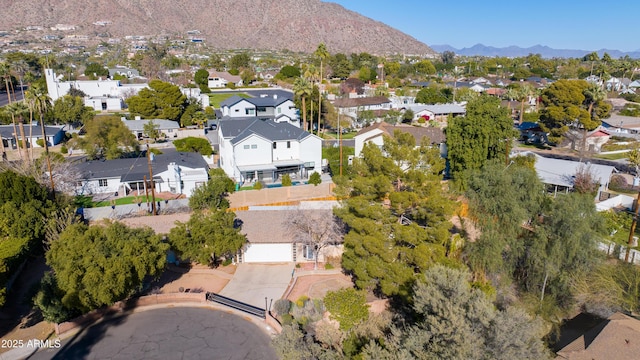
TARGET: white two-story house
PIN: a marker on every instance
(253, 149)
(277, 108)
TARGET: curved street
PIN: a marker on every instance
(167, 333)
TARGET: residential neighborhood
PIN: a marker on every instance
(326, 201)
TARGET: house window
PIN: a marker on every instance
(246, 147)
(279, 110)
(249, 111)
(261, 108)
(254, 146)
(237, 110)
(274, 144)
(288, 144)
(170, 130)
(308, 252)
(103, 183)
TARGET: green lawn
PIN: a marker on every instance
(617, 156)
(333, 135)
(121, 201)
(216, 99)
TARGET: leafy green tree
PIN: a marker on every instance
(151, 130)
(292, 344)
(315, 179)
(394, 231)
(194, 144)
(457, 321)
(201, 78)
(434, 94)
(207, 236)
(49, 300)
(340, 66)
(161, 100)
(240, 61)
(571, 104)
(485, 133)
(95, 70)
(448, 57)
(288, 72)
(213, 194)
(347, 306)
(98, 265)
(71, 110)
(425, 67)
(519, 243)
(106, 137)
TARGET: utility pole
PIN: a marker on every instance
(340, 141)
(151, 183)
(633, 228)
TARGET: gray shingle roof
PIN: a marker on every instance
(257, 101)
(134, 169)
(232, 100)
(7, 131)
(241, 128)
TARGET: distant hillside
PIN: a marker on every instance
(297, 25)
(544, 51)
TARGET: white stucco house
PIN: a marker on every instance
(352, 106)
(270, 241)
(101, 95)
(559, 174)
(10, 138)
(220, 79)
(279, 109)
(254, 149)
(375, 134)
(173, 171)
(168, 128)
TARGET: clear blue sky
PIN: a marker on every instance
(561, 24)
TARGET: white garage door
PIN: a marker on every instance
(267, 253)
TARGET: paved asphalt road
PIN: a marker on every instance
(4, 100)
(168, 333)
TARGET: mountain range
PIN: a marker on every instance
(544, 51)
(296, 25)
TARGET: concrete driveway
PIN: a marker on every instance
(251, 283)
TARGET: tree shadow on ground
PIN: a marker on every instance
(18, 310)
(80, 345)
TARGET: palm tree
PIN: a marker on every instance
(18, 110)
(523, 95)
(5, 72)
(593, 94)
(20, 68)
(302, 88)
(41, 103)
(321, 53)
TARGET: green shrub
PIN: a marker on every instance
(227, 262)
(315, 179)
(286, 180)
(287, 319)
(328, 266)
(348, 306)
(64, 150)
(258, 185)
(194, 144)
(302, 300)
(421, 120)
(282, 307)
(40, 142)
